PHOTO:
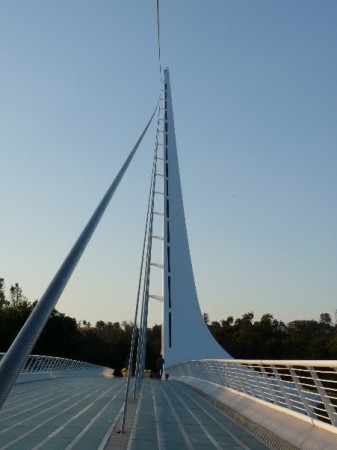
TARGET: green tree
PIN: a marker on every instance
(325, 318)
(206, 318)
(245, 338)
(3, 301)
(17, 298)
(272, 334)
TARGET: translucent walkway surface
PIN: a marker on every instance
(172, 416)
(63, 413)
(82, 413)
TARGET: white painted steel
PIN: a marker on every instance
(12, 363)
(308, 388)
(40, 366)
(185, 334)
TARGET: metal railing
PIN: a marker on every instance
(305, 387)
(37, 364)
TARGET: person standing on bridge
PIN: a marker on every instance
(160, 366)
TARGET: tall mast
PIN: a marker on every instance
(185, 333)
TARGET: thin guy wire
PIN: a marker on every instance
(134, 330)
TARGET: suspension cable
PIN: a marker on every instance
(147, 243)
(144, 312)
(158, 35)
(134, 329)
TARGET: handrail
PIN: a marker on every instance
(305, 387)
(52, 364)
(289, 362)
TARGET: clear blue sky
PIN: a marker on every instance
(254, 91)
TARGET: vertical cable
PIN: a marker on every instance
(141, 345)
(134, 330)
(158, 36)
(143, 328)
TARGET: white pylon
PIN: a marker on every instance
(185, 334)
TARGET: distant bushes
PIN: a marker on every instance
(270, 339)
(108, 343)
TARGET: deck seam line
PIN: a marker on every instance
(218, 423)
(262, 434)
(180, 426)
(94, 420)
(160, 439)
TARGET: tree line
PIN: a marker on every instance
(268, 338)
(105, 343)
(108, 343)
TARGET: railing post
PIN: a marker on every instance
(283, 389)
(270, 385)
(249, 387)
(325, 399)
(29, 363)
(257, 377)
(298, 384)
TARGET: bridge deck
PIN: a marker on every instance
(81, 413)
(64, 413)
(172, 416)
